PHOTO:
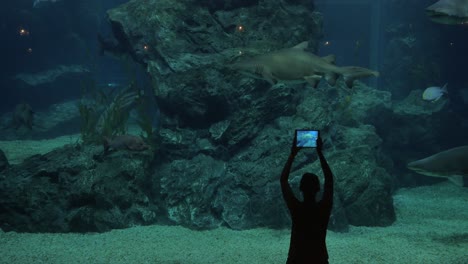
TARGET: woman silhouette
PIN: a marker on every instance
(309, 217)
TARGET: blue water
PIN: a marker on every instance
(395, 38)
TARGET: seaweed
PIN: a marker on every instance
(105, 115)
(145, 121)
(105, 112)
(113, 120)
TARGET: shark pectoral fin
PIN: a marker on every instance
(331, 78)
(329, 58)
(266, 75)
(313, 80)
(457, 179)
(349, 80)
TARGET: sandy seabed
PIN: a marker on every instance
(432, 227)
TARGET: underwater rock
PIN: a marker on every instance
(365, 188)
(185, 48)
(75, 189)
(244, 192)
(223, 136)
(250, 192)
(3, 161)
(189, 187)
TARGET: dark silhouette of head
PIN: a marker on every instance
(310, 185)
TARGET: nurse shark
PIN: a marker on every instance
(451, 164)
(297, 65)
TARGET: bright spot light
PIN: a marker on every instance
(146, 47)
(240, 28)
(327, 43)
(23, 32)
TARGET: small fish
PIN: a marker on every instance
(434, 93)
(110, 46)
(125, 142)
(110, 85)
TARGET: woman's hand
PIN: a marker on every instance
(319, 144)
(294, 148)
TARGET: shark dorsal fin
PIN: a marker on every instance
(444, 88)
(301, 46)
(329, 58)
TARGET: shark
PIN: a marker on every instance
(450, 12)
(451, 164)
(296, 65)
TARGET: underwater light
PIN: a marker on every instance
(23, 32)
(327, 43)
(146, 47)
(240, 28)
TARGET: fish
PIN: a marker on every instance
(23, 116)
(434, 93)
(451, 164)
(450, 12)
(125, 142)
(295, 65)
(110, 46)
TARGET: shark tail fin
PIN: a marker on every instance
(444, 88)
(313, 80)
(105, 144)
(457, 179)
(351, 73)
(101, 44)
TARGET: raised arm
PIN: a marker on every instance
(327, 198)
(288, 194)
